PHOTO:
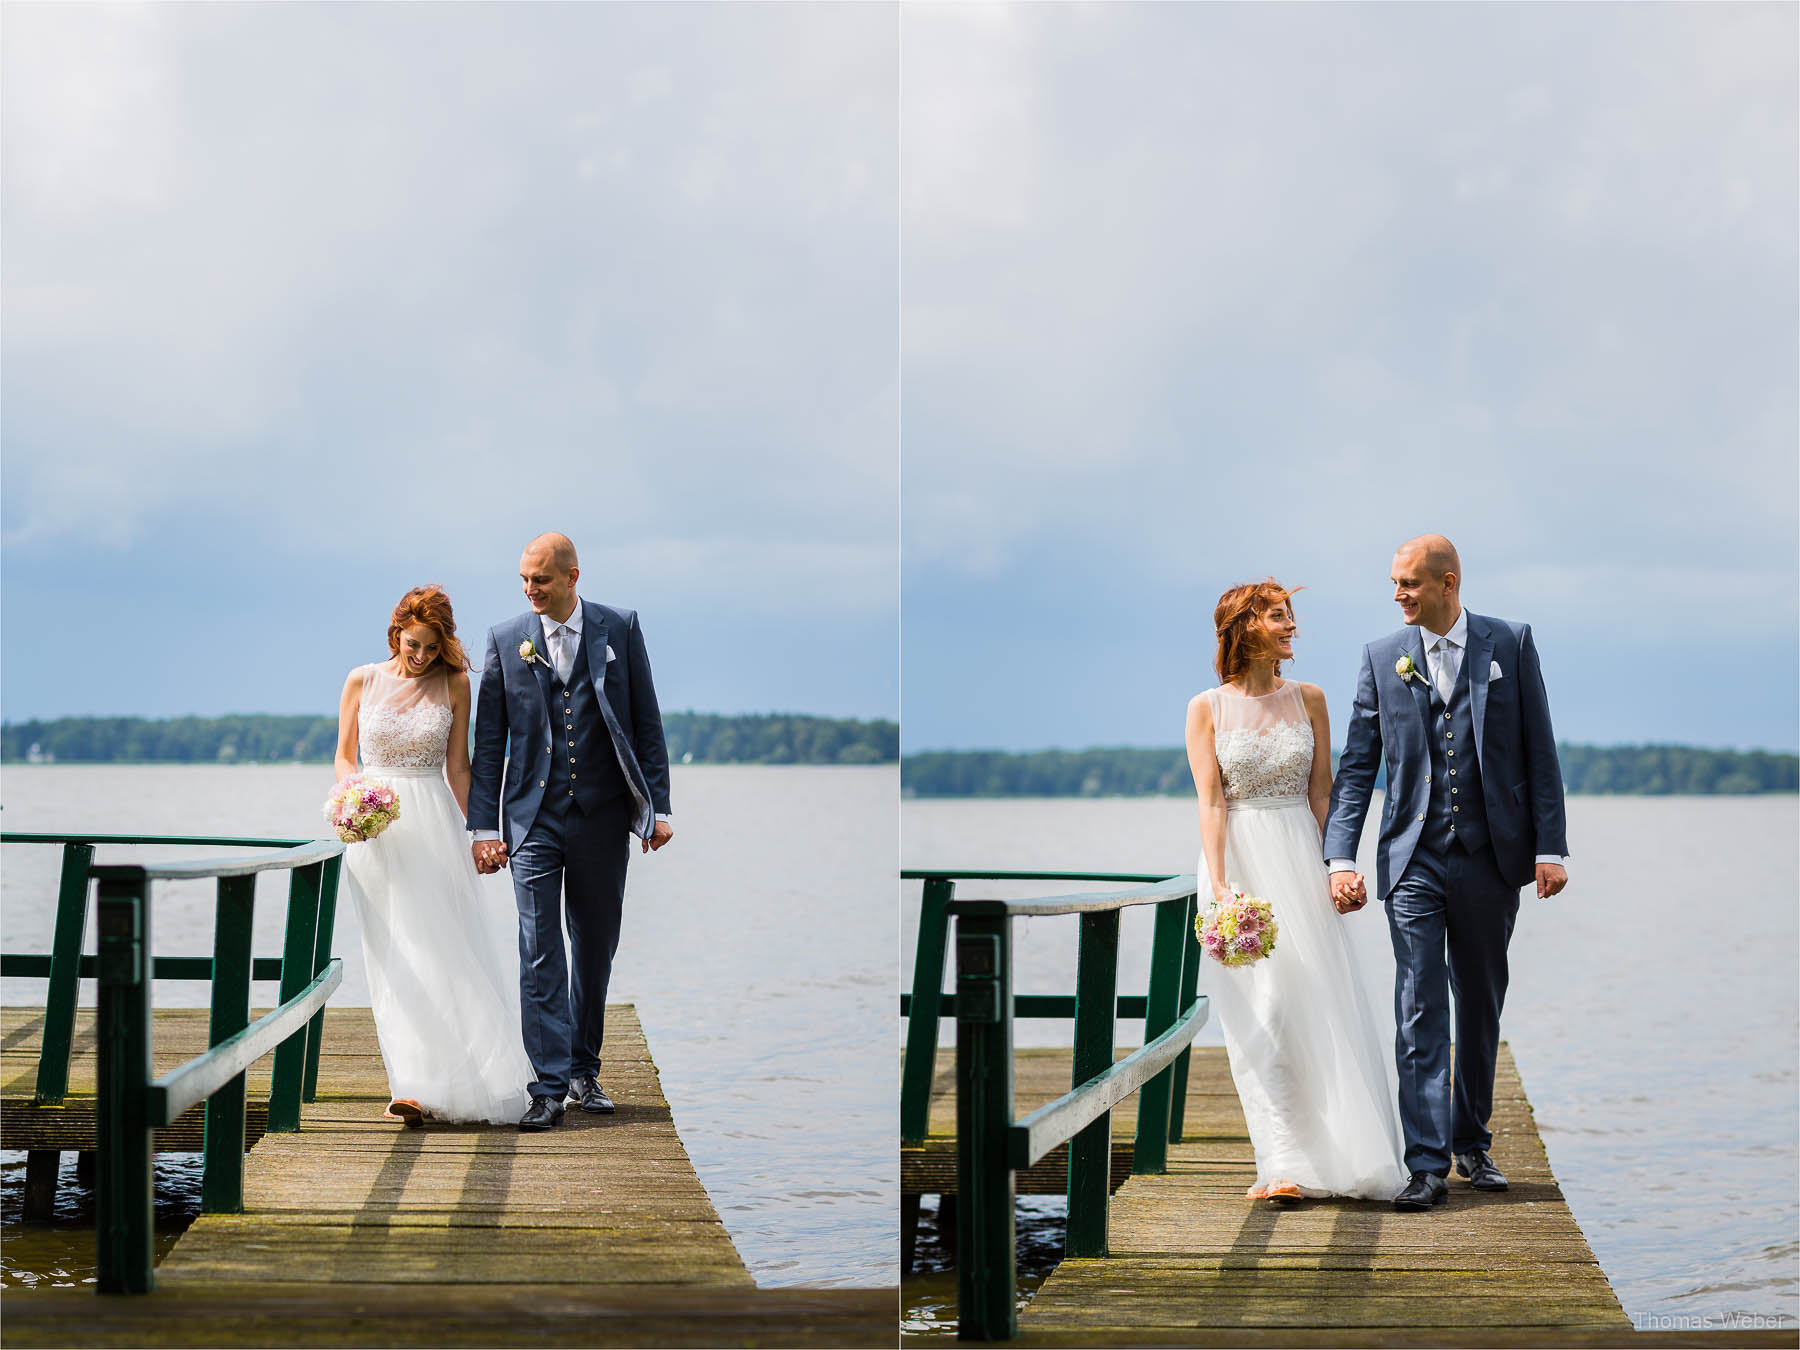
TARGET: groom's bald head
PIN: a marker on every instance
(548, 570)
(556, 549)
(1427, 581)
(1434, 553)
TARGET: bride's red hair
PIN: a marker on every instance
(430, 606)
(1242, 641)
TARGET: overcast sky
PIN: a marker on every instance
(307, 304)
(1196, 294)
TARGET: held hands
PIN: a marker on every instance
(1348, 893)
(1551, 878)
(659, 836)
(489, 855)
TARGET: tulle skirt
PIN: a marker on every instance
(1306, 1054)
(441, 954)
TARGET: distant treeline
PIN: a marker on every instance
(708, 738)
(1647, 770)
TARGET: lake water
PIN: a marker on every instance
(758, 947)
(1652, 1012)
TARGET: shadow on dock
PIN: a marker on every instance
(359, 1232)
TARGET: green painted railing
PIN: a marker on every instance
(991, 1145)
(129, 1104)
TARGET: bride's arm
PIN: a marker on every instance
(344, 762)
(1203, 761)
(456, 755)
(1318, 787)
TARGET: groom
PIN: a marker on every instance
(567, 706)
(1474, 811)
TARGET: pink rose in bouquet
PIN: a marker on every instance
(1238, 931)
(360, 808)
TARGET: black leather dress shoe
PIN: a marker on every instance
(1480, 1170)
(586, 1089)
(544, 1112)
(1423, 1190)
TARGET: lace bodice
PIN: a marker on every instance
(404, 723)
(1264, 745)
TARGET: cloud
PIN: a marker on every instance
(1165, 254)
(1197, 293)
(364, 272)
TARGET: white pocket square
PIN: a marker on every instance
(1493, 670)
(609, 654)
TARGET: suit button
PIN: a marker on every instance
(1449, 735)
(571, 778)
(1427, 778)
(1452, 755)
(1452, 774)
(541, 783)
(1452, 792)
(1446, 717)
(1455, 808)
(1421, 814)
(571, 759)
(571, 792)
(571, 745)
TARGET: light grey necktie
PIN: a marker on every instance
(564, 652)
(1446, 670)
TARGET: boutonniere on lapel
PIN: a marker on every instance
(1406, 670)
(528, 653)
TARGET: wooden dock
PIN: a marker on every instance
(357, 1231)
(1192, 1262)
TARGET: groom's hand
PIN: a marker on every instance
(489, 855)
(1551, 878)
(660, 835)
(1348, 894)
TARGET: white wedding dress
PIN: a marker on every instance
(438, 946)
(1305, 1051)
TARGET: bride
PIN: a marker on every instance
(1299, 1032)
(446, 1007)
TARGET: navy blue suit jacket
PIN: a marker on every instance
(1521, 780)
(512, 720)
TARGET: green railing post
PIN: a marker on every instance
(922, 1015)
(1168, 948)
(1190, 989)
(289, 1076)
(222, 1180)
(1090, 1151)
(124, 1210)
(65, 973)
(986, 1243)
(315, 1031)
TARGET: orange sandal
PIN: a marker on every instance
(1283, 1193)
(405, 1108)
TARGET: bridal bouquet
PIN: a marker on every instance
(1238, 931)
(360, 808)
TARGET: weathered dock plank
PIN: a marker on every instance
(458, 1315)
(1191, 1258)
(609, 1199)
(358, 1231)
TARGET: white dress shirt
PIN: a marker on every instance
(565, 640)
(1443, 660)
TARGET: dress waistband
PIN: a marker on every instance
(395, 771)
(1263, 803)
